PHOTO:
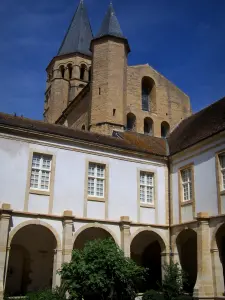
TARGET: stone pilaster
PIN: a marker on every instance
(5, 218)
(217, 270)
(204, 284)
(125, 235)
(67, 246)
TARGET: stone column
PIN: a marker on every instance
(217, 270)
(66, 75)
(125, 235)
(5, 218)
(76, 72)
(67, 246)
(86, 75)
(174, 249)
(165, 259)
(56, 280)
(204, 284)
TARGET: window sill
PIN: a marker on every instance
(39, 192)
(222, 192)
(96, 199)
(186, 203)
(147, 205)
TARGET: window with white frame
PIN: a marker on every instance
(186, 177)
(96, 180)
(40, 172)
(146, 188)
(222, 170)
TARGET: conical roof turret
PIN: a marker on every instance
(79, 33)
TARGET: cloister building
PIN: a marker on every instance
(119, 154)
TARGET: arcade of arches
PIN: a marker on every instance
(32, 265)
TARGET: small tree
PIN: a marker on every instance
(100, 271)
(173, 282)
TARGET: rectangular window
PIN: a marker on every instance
(96, 180)
(40, 172)
(222, 170)
(147, 188)
(186, 177)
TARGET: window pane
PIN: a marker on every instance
(186, 175)
(142, 178)
(100, 171)
(222, 161)
(36, 161)
(34, 179)
(223, 175)
(45, 180)
(100, 188)
(46, 162)
(91, 170)
(142, 193)
(91, 186)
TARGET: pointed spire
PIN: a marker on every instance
(79, 34)
(110, 24)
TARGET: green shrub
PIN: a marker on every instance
(153, 295)
(45, 295)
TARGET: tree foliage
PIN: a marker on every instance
(100, 271)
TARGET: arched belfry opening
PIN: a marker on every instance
(90, 234)
(131, 122)
(31, 260)
(83, 70)
(148, 126)
(146, 249)
(187, 250)
(62, 71)
(89, 74)
(165, 129)
(148, 94)
(70, 70)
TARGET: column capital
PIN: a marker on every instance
(5, 211)
(125, 222)
(202, 216)
(68, 215)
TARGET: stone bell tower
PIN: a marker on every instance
(69, 71)
(108, 92)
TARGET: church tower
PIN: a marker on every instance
(108, 92)
(69, 72)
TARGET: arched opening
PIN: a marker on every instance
(31, 260)
(220, 241)
(165, 129)
(82, 71)
(62, 70)
(146, 248)
(83, 127)
(90, 234)
(187, 249)
(70, 70)
(148, 94)
(131, 122)
(148, 126)
(89, 74)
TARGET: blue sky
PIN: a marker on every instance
(182, 39)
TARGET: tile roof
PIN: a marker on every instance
(79, 35)
(127, 141)
(110, 25)
(199, 126)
